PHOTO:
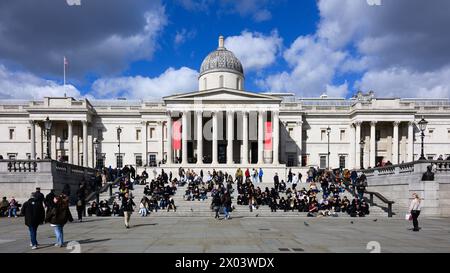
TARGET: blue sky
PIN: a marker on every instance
(148, 49)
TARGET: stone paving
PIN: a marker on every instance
(239, 234)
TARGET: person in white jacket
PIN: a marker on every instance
(414, 208)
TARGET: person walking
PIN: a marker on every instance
(276, 181)
(414, 208)
(58, 216)
(34, 213)
(81, 202)
(216, 203)
(128, 208)
(226, 203)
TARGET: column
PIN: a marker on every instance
(372, 144)
(357, 146)
(276, 137)
(33, 140)
(199, 137)
(184, 151)
(410, 141)
(353, 146)
(161, 145)
(169, 138)
(300, 141)
(244, 137)
(85, 144)
(214, 138)
(395, 151)
(144, 143)
(230, 133)
(70, 136)
(260, 138)
(53, 139)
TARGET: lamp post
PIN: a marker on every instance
(119, 131)
(96, 146)
(422, 126)
(48, 127)
(328, 157)
(361, 145)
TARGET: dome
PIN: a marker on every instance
(221, 60)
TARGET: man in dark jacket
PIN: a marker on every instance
(39, 196)
(34, 213)
(276, 181)
(48, 202)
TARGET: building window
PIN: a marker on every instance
(304, 135)
(12, 156)
(11, 134)
(291, 132)
(430, 132)
(377, 135)
(138, 134)
(152, 133)
(29, 134)
(430, 157)
(205, 84)
(152, 160)
(342, 135)
(65, 134)
(100, 134)
(291, 160)
(323, 161)
(221, 81)
(342, 161)
(323, 135)
(101, 160)
(138, 160)
(119, 161)
(304, 160)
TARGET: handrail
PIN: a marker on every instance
(382, 198)
(102, 189)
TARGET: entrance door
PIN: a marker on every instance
(222, 153)
(254, 152)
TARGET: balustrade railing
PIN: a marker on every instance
(439, 166)
(21, 166)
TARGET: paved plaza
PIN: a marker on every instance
(246, 234)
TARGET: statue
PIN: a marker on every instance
(428, 175)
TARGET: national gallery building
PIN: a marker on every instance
(223, 125)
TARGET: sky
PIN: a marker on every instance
(147, 49)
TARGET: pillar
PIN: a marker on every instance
(169, 139)
(184, 151)
(395, 151)
(85, 144)
(357, 146)
(230, 133)
(199, 137)
(372, 144)
(300, 142)
(244, 138)
(260, 138)
(70, 138)
(214, 139)
(353, 147)
(276, 137)
(33, 140)
(144, 144)
(410, 141)
(161, 144)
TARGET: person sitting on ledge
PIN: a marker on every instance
(104, 209)
(4, 205)
(428, 175)
(93, 209)
(115, 209)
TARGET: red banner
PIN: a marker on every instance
(176, 135)
(268, 136)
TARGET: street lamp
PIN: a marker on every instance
(119, 131)
(48, 127)
(328, 135)
(422, 126)
(361, 145)
(96, 146)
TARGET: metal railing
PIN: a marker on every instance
(382, 198)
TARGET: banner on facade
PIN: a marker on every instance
(176, 135)
(268, 136)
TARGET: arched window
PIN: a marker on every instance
(205, 84)
(221, 81)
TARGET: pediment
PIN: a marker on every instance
(222, 95)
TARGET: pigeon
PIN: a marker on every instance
(306, 224)
(375, 220)
(257, 215)
(192, 210)
(351, 222)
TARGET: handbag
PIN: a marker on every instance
(408, 217)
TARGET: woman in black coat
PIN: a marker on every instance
(58, 216)
(128, 208)
(34, 213)
(216, 203)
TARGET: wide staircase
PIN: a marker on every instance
(203, 208)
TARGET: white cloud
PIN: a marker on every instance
(255, 50)
(184, 35)
(23, 85)
(138, 87)
(401, 82)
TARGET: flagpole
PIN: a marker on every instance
(64, 86)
